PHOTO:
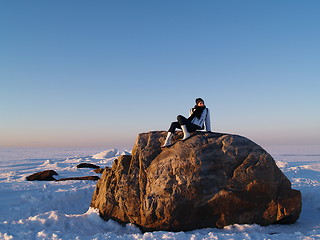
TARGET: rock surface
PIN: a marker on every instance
(100, 170)
(209, 180)
(46, 175)
(90, 178)
(87, 165)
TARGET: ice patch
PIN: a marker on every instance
(106, 154)
(282, 164)
(7, 175)
(125, 152)
(49, 164)
(5, 236)
(313, 167)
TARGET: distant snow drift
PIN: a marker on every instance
(106, 154)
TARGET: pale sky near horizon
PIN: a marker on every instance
(97, 73)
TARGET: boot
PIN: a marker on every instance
(186, 134)
(167, 142)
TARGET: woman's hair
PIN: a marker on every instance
(199, 100)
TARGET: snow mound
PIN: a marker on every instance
(282, 164)
(313, 167)
(55, 225)
(125, 152)
(106, 154)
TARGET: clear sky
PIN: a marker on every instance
(97, 73)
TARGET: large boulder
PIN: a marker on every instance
(208, 180)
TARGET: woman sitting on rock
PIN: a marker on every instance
(199, 119)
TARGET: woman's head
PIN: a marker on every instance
(199, 102)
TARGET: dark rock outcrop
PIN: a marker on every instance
(91, 178)
(100, 170)
(87, 165)
(46, 175)
(209, 180)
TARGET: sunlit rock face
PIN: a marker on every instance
(208, 180)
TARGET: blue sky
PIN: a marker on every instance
(97, 73)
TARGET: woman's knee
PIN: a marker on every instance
(173, 127)
(181, 120)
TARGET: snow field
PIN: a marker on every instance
(60, 210)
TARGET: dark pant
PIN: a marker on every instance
(183, 121)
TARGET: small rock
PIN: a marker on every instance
(91, 178)
(42, 176)
(87, 165)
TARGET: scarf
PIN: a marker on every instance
(196, 112)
